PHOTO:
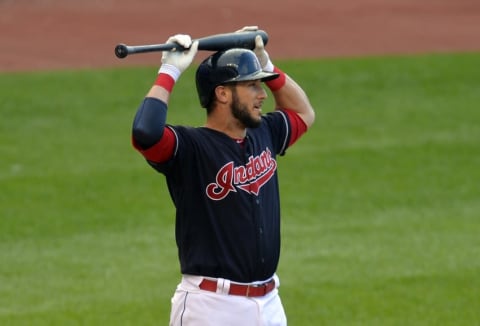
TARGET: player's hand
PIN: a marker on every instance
(260, 52)
(180, 59)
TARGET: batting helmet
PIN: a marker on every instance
(225, 67)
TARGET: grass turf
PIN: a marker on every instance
(380, 199)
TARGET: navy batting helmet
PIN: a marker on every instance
(225, 67)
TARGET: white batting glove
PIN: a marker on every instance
(175, 62)
(259, 50)
(262, 54)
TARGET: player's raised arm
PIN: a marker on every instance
(174, 63)
(149, 122)
(287, 93)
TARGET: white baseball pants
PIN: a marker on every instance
(192, 306)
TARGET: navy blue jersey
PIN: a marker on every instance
(227, 199)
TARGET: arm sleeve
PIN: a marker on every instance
(149, 123)
(149, 135)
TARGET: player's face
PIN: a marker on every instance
(247, 101)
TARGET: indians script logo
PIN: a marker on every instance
(249, 177)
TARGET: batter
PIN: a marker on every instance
(222, 178)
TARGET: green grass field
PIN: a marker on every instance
(381, 198)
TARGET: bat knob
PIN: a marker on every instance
(121, 51)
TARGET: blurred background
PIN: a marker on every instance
(45, 34)
(380, 198)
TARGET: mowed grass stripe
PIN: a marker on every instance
(380, 199)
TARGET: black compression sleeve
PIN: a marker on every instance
(149, 122)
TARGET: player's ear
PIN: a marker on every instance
(222, 94)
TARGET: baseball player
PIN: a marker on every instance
(222, 178)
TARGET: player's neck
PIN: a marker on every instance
(231, 128)
(232, 132)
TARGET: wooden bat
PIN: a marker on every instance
(217, 42)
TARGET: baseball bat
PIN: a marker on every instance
(217, 42)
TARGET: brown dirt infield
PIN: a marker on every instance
(58, 34)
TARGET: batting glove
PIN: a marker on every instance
(176, 62)
(259, 50)
(262, 54)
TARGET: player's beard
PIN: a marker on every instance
(241, 113)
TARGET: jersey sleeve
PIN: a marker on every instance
(297, 126)
(162, 151)
(285, 127)
(172, 149)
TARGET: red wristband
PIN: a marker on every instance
(278, 82)
(166, 81)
